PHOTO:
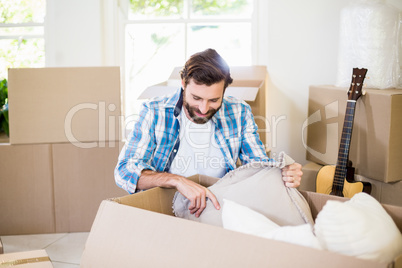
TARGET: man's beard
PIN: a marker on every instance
(196, 119)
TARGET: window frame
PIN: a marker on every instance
(185, 21)
(25, 36)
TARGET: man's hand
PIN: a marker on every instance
(197, 195)
(291, 175)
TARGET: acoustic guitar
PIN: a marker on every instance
(339, 180)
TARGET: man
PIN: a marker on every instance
(195, 130)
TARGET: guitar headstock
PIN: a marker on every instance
(355, 90)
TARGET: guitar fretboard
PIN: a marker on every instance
(343, 154)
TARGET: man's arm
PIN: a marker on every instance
(194, 192)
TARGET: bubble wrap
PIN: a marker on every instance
(369, 38)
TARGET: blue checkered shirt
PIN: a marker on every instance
(154, 141)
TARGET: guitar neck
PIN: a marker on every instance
(344, 146)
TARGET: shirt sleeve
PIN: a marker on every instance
(252, 148)
(137, 152)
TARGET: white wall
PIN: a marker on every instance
(74, 33)
(298, 44)
(300, 49)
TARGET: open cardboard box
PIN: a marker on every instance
(140, 230)
(249, 84)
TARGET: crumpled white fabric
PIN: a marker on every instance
(239, 218)
(359, 227)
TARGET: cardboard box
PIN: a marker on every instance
(53, 188)
(249, 84)
(26, 189)
(140, 229)
(82, 179)
(376, 146)
(55, 105)
(27, 259)
(309, 178)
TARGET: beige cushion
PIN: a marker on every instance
(260, 187)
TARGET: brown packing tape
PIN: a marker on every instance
(23, 261)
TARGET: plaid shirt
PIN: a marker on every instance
(154, 141)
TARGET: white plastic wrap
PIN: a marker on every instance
(369, 38)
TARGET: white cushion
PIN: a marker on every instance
(359, 227)
(239, 218)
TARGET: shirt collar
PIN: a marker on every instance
(175, 102)
(220, 114)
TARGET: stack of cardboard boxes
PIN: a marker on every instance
(64, 143)
(55, 183)
(376, 145)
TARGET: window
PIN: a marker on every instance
(21, 34)
(162, 34)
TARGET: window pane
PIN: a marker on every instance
(222, 8)
(152, 51)
(231, 41)
(22, 11)
(145, 9)
(21, 31)
(21, 53)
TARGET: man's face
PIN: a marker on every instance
(201, 102)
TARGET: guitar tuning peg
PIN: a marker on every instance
(364, 92)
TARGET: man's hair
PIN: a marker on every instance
(206, 68)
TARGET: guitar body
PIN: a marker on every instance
(325, 179)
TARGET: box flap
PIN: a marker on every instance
(159, 199)
(247, 80)
(204, 180)
(255, 72)
(246, 93)
(122, 236)
(156, 199)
